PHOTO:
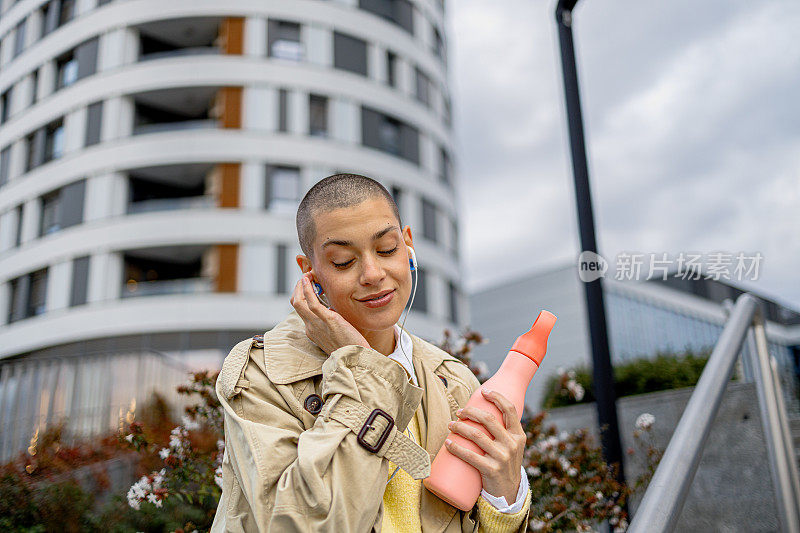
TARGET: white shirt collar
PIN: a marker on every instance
(403, 352)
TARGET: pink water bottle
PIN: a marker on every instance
(457, 482)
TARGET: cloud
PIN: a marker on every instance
(691, 118)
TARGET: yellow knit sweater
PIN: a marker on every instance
(401, 503)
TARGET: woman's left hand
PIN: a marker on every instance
(500, 466)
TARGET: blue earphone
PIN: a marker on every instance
(412, 263)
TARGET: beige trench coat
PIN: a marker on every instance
(289, 466)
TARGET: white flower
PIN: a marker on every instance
(572, 472)
(571, 374)
(561, 371)
(537, 525)
(189, 424)
(548, 515)
(129, 438)
(152, 498)
(598, 495)
(534, 471)
(645, 421)
(563, 435)
(218, 476)
(482, 368)
(164, 453)
(613, 520)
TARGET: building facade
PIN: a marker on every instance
(152, 157)
(644, 318)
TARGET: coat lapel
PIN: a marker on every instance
(436, 514)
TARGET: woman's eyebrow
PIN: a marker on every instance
(375, 237)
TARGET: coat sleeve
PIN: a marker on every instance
(321, 478)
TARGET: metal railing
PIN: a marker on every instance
(663, 501)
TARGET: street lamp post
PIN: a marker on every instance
(602, 369)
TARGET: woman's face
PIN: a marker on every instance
(359, 252)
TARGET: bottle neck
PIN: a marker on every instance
(517, 372)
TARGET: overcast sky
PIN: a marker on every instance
(692, 122)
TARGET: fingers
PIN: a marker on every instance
(507, 408)
(480, 462)
(487, 420)
(310, 296)
(484, 441)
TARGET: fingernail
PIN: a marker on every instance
(459, 411)
(450, 425)
(448, 442)
(487, 391)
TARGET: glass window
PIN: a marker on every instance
(453, 298)
(66, 12)
(396, 192)
(4, 102)
(66, 70)
(445, 173)
(284, 40)
(281, 285)
(54, 140)
(317, 116)
(429, 220)
(14, 301)
(399, 12)
(5, 164)
(349, 53)
(19, 39)
(38, 293)
(94, 122)
(438, 43)
(80, 281)
(391, 69)
(51, 213)
(35, 86)
(423, 87)
(389, 135)
(283, 189)
(283, 110)
(18, 236)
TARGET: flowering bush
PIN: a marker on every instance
(645, 451)
(191, 460)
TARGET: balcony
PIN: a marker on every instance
(182, 109)
(163, 270)
(169, 188)
(178, 38)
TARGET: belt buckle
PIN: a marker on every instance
(367, 426)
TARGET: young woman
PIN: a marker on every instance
(332, 420)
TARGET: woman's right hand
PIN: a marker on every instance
(325, 327)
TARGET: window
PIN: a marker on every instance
(429, 220)
(423, 87)
(19, 39)
(51, 213)
(284, 40)
(54, 140)
(453, 297)
(283, 189)
(5, 164)
(389, 134)
(34, 86)
(94, 122)
(66, 70)
(66, 12)
(4, 103)
(447, 113)
(280, 269)
(391, 69)
(349, 53)
(18, 236)
(421, 296)
(454, 236)
(283, 110)
(37, 293)
(445, 166)
(80, 281)
(399, 12)
(15, 299)
(396, 192)
(438, 43)
(317, 116)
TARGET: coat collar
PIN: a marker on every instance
(290, 356)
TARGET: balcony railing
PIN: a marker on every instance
(168, 286)
(171, 204)
(181, 52)
(201, 124)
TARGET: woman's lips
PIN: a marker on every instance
(380, 302)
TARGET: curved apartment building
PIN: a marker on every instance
(152, 156)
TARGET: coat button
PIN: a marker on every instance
(313, 404)
(444, 380)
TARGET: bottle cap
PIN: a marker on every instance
(533, 343)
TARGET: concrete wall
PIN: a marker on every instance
(732, 489)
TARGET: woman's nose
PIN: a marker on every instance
(372, 273)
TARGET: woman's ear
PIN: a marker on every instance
(304, 263)
(407, 237)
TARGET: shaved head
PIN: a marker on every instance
(336, 192)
